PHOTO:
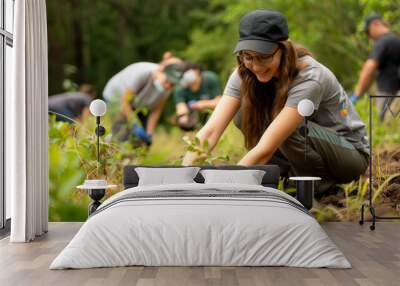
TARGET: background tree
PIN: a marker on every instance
(101, 37)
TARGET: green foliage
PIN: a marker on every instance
(102, 37)
(64, 175)
(68, 83)
(382, 132)
(203, 152)
(327, 28)
(72, 159)
(355, 194)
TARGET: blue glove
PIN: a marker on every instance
(141, 134)
(191, 102)
(353, 98)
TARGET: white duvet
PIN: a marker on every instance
(188, 231)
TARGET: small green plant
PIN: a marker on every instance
(203, 152)
(348, 207)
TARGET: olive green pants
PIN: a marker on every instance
(327, 155)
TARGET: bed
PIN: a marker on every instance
(201, 223)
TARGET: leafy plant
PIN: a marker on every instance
(72, 159)
(203, 152)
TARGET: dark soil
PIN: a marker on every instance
(386, 162)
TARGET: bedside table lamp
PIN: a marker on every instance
(305, 109)
(305, 185)
(98, 108)
(96, 188)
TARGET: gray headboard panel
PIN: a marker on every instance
(270, 179)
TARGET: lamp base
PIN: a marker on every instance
(305, 193)
(305, 187)
(100, 130)
(96, 195)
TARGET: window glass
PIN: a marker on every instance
(9, 9)
(1, 14)
(7, 82)
(2, 195)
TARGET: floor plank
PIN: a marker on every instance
(374, 255)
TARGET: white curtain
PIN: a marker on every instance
(26, 124)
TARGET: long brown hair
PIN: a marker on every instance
(258, 110)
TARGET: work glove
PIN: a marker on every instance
(141, 134)
(191, 102)
(354, 98)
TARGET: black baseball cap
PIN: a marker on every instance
(369, 19)
(261, 30)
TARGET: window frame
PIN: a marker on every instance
(6, 39)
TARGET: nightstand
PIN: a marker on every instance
(96, 193)
(305, 187)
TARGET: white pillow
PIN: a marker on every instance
(249, 177)
(164, 176)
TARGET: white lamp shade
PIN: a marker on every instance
(305, 107)
(98, 107)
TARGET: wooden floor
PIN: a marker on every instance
(375, 257)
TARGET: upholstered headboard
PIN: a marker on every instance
(270, 179)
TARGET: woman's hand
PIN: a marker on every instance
(190, 158)
(215, 126)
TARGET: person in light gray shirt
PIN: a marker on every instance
(142, 85)
(273, 76)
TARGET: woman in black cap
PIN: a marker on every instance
(273, 75)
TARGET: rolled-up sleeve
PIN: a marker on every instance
(309, 89)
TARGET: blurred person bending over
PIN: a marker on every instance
(144, 87)
(72, 105)
(198, 92)
(383, 63)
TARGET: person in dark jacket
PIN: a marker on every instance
(383, 64)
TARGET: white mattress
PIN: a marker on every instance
(202, 231)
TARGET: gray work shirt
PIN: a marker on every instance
(69, 103)
(137, 77)
(333, 109)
